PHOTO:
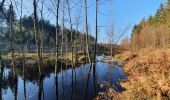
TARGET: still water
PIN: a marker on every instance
(80, 83)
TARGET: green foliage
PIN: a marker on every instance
(153, 32)
(27, 36)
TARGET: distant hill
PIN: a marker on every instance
(28, 36)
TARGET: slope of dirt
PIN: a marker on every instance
(148, 75)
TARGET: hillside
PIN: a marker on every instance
(27, 36)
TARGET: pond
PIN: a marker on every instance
(79, 83)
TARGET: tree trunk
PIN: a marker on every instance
(95, 47)
(11, 49)
(70, 21)
(87, 36)
(37, 36)
(42, 31)
(56, 44)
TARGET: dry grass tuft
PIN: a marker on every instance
(148, 75)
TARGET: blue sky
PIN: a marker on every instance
(120, 13)
(125, 12)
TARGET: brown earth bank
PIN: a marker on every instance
(148, 76)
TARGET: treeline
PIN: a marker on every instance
(153, 32)
(27, 37)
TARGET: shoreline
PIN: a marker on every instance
(147, 76)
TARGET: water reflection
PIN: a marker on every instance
(78, 83)
(56, 86)
(40, 91)
(16, 86)
(1, 76)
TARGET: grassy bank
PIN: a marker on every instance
(148, 76)
(31, 58)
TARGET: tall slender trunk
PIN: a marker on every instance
(42, 30)
(66, 48)
(95, 48)
(22, 35)
(23, 54)
(76, 37)
(70, 21)
(75, 49)
(62, 41)
(37, 36)
(56, 44)
(11, 49)
(87, 34)
(1, 60)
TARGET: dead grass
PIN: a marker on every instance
(148, 75)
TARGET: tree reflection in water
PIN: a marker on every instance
(78, 83)
(40, 91)
(1, 75)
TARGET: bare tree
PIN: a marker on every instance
(116, 37)
(63, 25)
(22, 43)
(37, 36)
(95, 45)
(11, 48)
(87, 34)
(22, 35)
(77, 23)
(111, 36)
(95, 48)
(1, 10)
(71, 27)
(57, 32)
(42, 30)
(62, 42)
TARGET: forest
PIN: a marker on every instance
(153, 32)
